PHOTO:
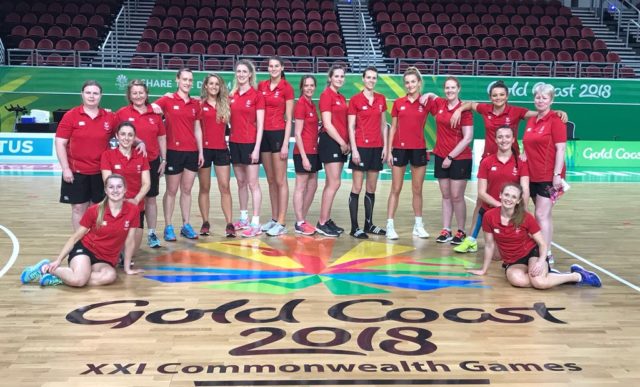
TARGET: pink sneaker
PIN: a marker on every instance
(251, 231)
(305, 229)
(241, 224)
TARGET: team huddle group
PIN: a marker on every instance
(124, 181)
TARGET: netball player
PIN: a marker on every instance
(522, 246)
(278, 112)
(93, 249)
(368, 139)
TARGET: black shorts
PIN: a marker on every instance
(79, 249)
(178, 161)
(272, 141)
(241, 153)
(141, 220)
(217, 157)
(85, 188)
(525, 260)
(154, 190)
(370, 160)
(314, 160)
(329, 150)
(417, 157)
(540, 188)
(458, 170)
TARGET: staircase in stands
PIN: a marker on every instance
(127, 31)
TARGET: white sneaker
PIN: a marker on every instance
(391, 232)
(419, 231)
(267, 226)
(277, 230)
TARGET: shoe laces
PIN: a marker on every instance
(445, 232)
(460, 234)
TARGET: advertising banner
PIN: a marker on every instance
(606, 154)
(18, 147)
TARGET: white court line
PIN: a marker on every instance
(586, 261)
(14, 254)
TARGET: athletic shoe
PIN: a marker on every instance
(50, 280)
(588, 277)
(33, 273)
(445, 236)
(241, 224)
(375, 230)
(268, 226)
(326, 230)
(391, 232)
(551, 259)
(458, 238)
(419, 231)
(230, 230)
(554, 271)
(252, 231)
(334, 226)
(277, 230)
(153, 241)
(305, 229)
(188, 232)
(205, 229)
(359, 234)
(169, 234)
(467, 246)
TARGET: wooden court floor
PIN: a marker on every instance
(317, 311)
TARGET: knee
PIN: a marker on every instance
(242, 183)
(539, 282)
(395, 190)
(254, 185)
(204, 187)
(416, 190)
(543, 215)
(519, 280)
(224, 188)
(77, 282)
(109, 277)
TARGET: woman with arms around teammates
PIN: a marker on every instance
(247, 124)
(184, 153)
(93, 249)
(305, 154)
(494, 172)
(131, 165)
(278, 112)
(213, 120)
(149, 129)
(333, 146)
(82, 135)
(407, 145)
(523, 249)
(368, 138)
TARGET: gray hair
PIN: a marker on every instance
(544, 88)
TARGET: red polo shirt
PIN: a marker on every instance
(498, 174)
(511, 117)
(243, 116)
(88, 138)
(107, 241)
(368, 119)
(131, 168)
(275, 103)
(539, 141)
(336, 104)
(411, 118)
(181, 117)
(513, 243)
(148, 126)
(213, 131)
(305, 110)
(447, 137)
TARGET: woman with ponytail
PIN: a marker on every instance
(105, 229)
(517, 236)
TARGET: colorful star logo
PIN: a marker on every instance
(368, 268)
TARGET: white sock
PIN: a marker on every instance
(390, 222)
(300, 222)
(244, 214)
(419, 220)
(255, 220)
(152, 231)
(472, 239)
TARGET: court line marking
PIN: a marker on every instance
(586, 261)
(14, 254)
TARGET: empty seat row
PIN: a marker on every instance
(238, 25)
(258, 4)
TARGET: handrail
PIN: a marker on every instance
(629, 4)
(2, 56)
(637, 27)
(616, 10)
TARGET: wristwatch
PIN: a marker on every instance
(449, 157)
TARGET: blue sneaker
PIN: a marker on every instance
(188, 232)
(33, 273)
(169, 234)
(588, 277)
(50, 280)
(153, 240)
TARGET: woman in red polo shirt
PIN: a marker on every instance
(213, 119)
(333, 145)
(544, 142)
(82, 135)
(133, 166)
(105, 229)
(247, 124)
(149, 129)
(368, 138)
(184, 153)
(522, 246)
(494, 172)
(305, 154)
(407, 145)
(278, 112)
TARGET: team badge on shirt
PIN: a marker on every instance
(117, 166)
(364, 108)
(131, 119)
(107, 126)
(248, 104)
(380, 108)
(515, 171)
(152, 121)
(176, 107)
(81, 123)
(126, 224)
(403, 108)
(496, 231)
(494, 168)
(206, 109)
